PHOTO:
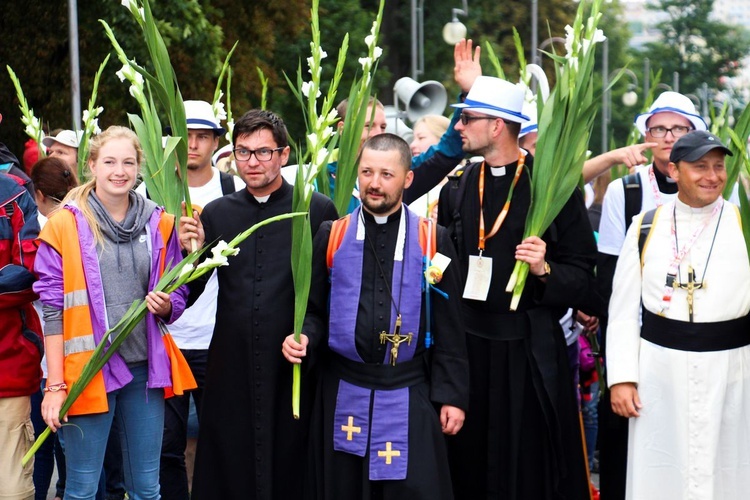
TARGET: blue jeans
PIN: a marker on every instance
(591, 422)
(140, 416)
(49, 453)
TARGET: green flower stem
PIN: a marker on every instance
(168, 283)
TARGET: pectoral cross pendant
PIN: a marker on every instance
(691, 286)
(396, 339)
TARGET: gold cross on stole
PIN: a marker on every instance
(396, 339)
(388, 453)
(350, 429)
(691, 286)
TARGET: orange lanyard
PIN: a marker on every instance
(504, 212)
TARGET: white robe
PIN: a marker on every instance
(692, 438)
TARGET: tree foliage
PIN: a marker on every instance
(272, 35)
(699, 48)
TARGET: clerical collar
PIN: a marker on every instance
(503, 169)
(685, 208)
(382, 219)
(667, 185)
(283, 190)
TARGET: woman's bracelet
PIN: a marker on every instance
(56, 387)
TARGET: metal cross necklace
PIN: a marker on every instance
(396, 338)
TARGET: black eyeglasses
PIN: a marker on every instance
(465, 119)
(262, 154)
(677, 131)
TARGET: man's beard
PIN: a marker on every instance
(382, 206)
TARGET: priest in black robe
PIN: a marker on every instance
(249, 444)
(522, 437)
(393, 366)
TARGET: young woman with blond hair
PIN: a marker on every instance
(105, 248)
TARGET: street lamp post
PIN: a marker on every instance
(75, 74)
(534, 30)
(546, 43)
(455, 31)
(605, 100)
(417, 38)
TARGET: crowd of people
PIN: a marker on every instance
(418, 379)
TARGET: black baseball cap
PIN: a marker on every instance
(694, 145)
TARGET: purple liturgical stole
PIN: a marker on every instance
(386, 430)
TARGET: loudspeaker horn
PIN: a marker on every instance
(426, 98)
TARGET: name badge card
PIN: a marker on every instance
(478, 278)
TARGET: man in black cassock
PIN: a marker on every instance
(522, 437)
(248, 440)
(394, 373)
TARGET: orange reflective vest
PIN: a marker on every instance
(78, 330)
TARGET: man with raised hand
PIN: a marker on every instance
(522, 437)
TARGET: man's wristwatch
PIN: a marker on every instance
(547, 270)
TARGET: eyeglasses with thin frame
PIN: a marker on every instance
(465, 119)
(677, 131)
(262, 154)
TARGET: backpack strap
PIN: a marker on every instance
(646, 225)
(338, 230)
(227, 183)
(633, 197)
(456, 195)
(427, 237)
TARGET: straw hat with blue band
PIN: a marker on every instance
(495, 97)
(672, 102)
(200, 115)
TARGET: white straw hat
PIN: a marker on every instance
(529, 109)
(673, 102)
(200, 115)
(495, 97)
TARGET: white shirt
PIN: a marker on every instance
(194, 329)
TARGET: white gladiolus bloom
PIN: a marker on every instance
(332, 115)
(306, 88)
(377, 52)
(136, 92)
(230, 128)
(326, 133)
(597, 38)
(322, 156)
(569, 40)
(313, 139)
(186, 269)
(219, 110)
(222, 249)
(366, 62)
(369, 40)
(322, 53)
